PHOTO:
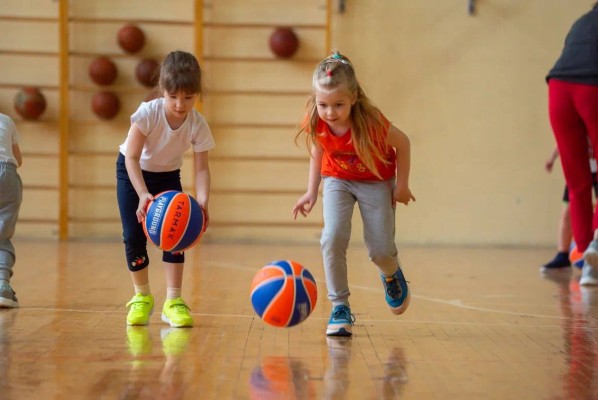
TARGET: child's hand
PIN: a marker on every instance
(304, 204)
(144, 200)
(549, 164)
(207, 218)
(402, 195)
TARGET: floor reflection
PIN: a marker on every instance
(145, 380)
(579, 307)
(7, 320)
(395, 375)
(336, 378)
(280, 377)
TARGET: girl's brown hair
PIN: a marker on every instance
(368, 129)
(180, 71)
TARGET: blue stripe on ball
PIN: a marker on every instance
(265, 293)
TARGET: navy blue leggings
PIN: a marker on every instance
(133, 236)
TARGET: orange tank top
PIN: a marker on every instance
(340, 159)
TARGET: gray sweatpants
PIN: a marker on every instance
(11, 195)
(378, 214)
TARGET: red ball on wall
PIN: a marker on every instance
(284, 42)
(103, 71)
(30, 103)
(153, 94)
(131, 38)
(105, 104)
(147, 72)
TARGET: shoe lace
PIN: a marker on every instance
(179, 306)
(138, 305)
(393, 287)
(343, 313)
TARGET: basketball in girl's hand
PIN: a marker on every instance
(174, 222)
(283, 293)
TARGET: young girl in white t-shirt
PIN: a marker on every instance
(149, 162)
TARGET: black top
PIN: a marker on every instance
(578, 62)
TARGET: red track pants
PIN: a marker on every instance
(573, 110)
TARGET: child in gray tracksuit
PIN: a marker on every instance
(11, 195)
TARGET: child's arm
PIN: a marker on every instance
(202, 181)
(550, 162)
(397, 139)
(134, 148)
(306, 202)
(16, 151)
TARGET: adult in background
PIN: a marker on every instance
(573, 110)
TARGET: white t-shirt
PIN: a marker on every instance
(9, 136)
(164, 147)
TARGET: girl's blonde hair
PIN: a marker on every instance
(368, 127)
(180, 71)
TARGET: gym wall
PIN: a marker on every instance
(469, 91)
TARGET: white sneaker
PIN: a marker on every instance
(589, 275)
(590, 256)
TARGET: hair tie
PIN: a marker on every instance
(329, 72)
(337, 58)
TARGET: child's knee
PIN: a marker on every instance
(335, 239)
(138, 262)
(175, 258)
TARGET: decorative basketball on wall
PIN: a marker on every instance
(283, 293)
(153, 94)
(131, 38)
(283, 42)
(103, 71)
(147, 72)
(30, 103)
(174, 222)
(105, 104)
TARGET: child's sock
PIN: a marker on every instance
(173, 293)
(143, 289)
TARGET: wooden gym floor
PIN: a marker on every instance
(483, 324)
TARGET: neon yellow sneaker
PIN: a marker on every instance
(140, 309)
(138, 340)
(176, 313)
(175, 341)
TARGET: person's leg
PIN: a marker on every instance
(175, 311)
(572, 139)
(586, 101)
(565, 233)
(141, 305)
(561, 259)
(11, 195)
(338, 203)
(378, 215)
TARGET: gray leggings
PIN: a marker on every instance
(378, 216)
(11, 195)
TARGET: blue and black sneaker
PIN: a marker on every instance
(341, 321)
(397, 292)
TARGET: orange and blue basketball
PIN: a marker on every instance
(575, 256)
(283, 293)
(174, 222)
